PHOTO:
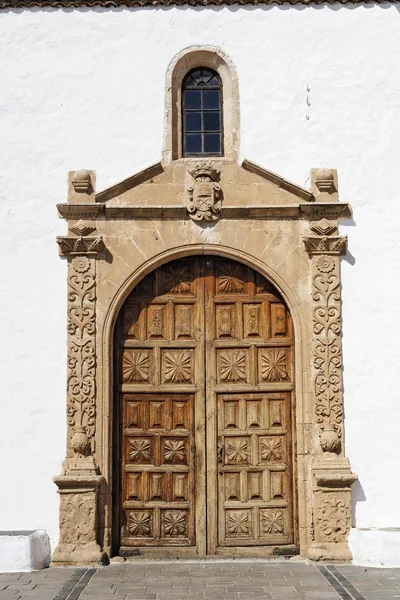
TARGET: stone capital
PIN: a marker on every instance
(74, 246)
(334, 245)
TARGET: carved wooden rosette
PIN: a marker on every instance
(78, 485)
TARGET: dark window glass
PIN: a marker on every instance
(192, 99)
(193, 121)
(212, 142)
(202, 113)
(193, 143)
(211, 99)
(211, 121)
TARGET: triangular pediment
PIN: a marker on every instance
(242, 186)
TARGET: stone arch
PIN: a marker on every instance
(190, 58)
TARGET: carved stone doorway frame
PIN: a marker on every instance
(286, 233)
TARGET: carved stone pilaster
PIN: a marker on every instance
(332, 476)
(79, 482)
(327, 349)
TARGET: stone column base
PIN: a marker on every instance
(331, 509)
(329, 551)
(78, 521)
(69, 554)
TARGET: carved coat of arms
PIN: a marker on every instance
(204, 196)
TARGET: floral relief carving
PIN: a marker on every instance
(174, 451)
(177, 279)
(233, 365)
(178, 366)
(139, 450)
(139, 523)
(237, 450)
(77, 518)
(184, 321)
(81, 382)
(333, 517)
(175, 523)
(272, 521)
(274, 364)
(135, 366)
(271, 448)
(156, 322)
(230, 279)
(238, 522)
(253, 320)
(327, 359)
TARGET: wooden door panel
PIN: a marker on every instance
(249, 391)
(158, 469)
(161, 393)
(254, 470)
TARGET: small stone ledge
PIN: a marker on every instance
(24, 550)
(335, 480)
(287, 211)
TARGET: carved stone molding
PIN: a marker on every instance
(326, 245)
(283, 211)
(81, 228)
(70, 246)
(323, 227)
(204, 195)
(81, 181)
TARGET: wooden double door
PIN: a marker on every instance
(204, 403)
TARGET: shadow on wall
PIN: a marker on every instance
(357, 495)
(348, 223)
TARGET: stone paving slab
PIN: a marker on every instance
(205, 580)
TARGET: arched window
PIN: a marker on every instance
(202, 133)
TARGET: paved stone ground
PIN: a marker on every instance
(205, 580)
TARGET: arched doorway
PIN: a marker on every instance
(204, 412)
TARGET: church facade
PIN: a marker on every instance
(206, 366)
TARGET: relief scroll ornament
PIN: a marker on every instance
(81, 384)
(78, 485)
(204, 195)
(327, 359)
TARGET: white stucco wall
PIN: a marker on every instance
(85, 89)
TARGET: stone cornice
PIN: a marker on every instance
(312, 211)
(79, 211)
(4, 4)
